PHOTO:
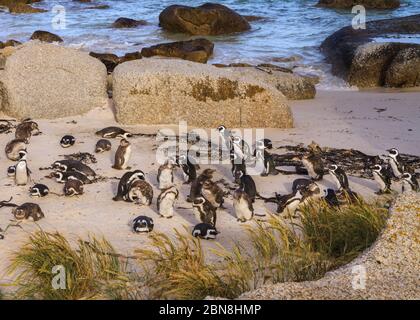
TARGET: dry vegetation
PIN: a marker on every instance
(323, 239)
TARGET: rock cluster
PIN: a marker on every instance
(368, 4)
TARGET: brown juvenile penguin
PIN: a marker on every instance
(73, 187)
(13, 149)
(26, 129)
(122, 155)
(28, 211)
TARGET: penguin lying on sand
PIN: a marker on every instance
(205, 231)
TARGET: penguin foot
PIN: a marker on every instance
(264, 174)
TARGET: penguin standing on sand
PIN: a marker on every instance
(13, 148)
(22, 174)
(142, 224)
(382, 177)
(396, 162)
(288, 204)
(166, 202)
(122, 156)
(241, 148)
(114, 132)
(140, 192)
(102, 146)
(125, 182)
(165, 176)
(242, 203)
(197, 184)
(264, 160)
(213, 193)
(247, 184)
(238, 166)
(39, 190)
(205, 211)
(205, 231)
(188, 169)
(314, 165)
(226, 137)
(339, 177)
(409, 182)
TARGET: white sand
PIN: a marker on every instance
(336, 119)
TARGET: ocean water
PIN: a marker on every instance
(291, 28)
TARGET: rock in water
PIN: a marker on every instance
(198, 50)
(368, 4)
(48, 81)
(165, 91)
(128, 23)
(207, 19)
(45, 36)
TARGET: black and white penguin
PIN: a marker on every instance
(238, 167)
(242, 203)
(330, 197)
(124, 184)
(28, 211)
(396, 162)
(63, 177)
(13, 148)
(142, 224)
(205, 211)
(382, 177)
(188, 168)
(73, 187)
(67, 141)
(226, 137)
(241, 148)
(103, 145)
(39, 190)
(339, 177)
(114, 132)
(22, 174)
(247, 184)
(409, 182)
(205, 231)
(314, 165)
(166, 202)
(213, 193)
(26, 129)
(288, 204)
(301, 183)
(74, 165)
(140, 192)
(165, 176)
(11, 171)
(197, 184)
(263, 159)
(122, 156)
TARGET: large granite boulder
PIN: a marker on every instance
(356, 55)
(404, 70)
(207, 19)
(198, 50)
(166, 91)
(369, 4)
(4, 54)
(42, 80)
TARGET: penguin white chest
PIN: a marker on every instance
(379, 181)
(242, 209)
(166, 205)
(165, 179)
(395, 168)
(292, 206)
(21, 176)
(336, 181)
(310, 167)
(127, 156)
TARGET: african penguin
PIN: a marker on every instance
(409, 182)
(188, 168)
(226, 137)
(288, 204)
(11, 171)
(140, 192)
(263, 159)
(73, 188)
(205, 231)
(197, 184)
(395, 162)
(22, 174)
(382, 177)
(166, 202)
(28, 211)
(205, 211)
(102, 146)
(67, 141)
(330, 197)
(114, 132)
(247, 184)
(314, 165)
(73, 165)
(142, 224)
(165, 176)
(26, 129)
(238, 167)
(39, 190)
(241, 148)
(242, 203)
(122, 156)
(124, 184)
(13, 148)
(339, 176)
(213, 193)
(63, 177)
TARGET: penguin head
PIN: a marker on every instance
(19, 213)
(142, 224)
(199, 201)
(22, 154)
(139, 174)
(406, 176)
(236, 140)
(221, 129)
(259, 145)
(377, 168)
(124, 143)
(332, 167)
(126, 135)
(393, 152)
(181, 159)
(207, 173)
(267, 143)
(67, 141)
(34, 127)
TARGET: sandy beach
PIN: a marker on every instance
(369, 121)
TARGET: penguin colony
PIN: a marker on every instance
(206, 196)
